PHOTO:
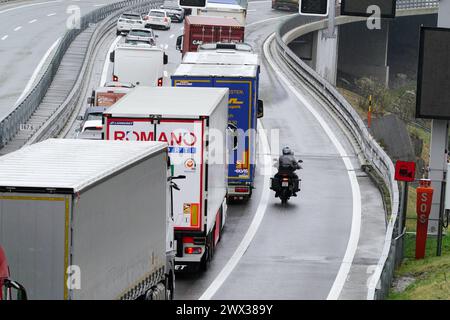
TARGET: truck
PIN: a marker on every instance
(193, 122)
(238, 71)
(138, 63)
(108, 94)
(204, 29)
(290, 5)
(87, 219)
(9, 289)
(225, 8)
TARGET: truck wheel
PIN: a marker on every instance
(118, 33)
(204, 263)
(169, 287)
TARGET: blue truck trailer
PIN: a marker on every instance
(238, 71)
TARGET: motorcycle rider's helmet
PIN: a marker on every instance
(287, 151)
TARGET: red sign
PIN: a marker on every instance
(405, 171)
(424, 197)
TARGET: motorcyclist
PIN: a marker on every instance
(287, 164)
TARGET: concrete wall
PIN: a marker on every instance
(319, 52)
(404, 46)
(363, 52)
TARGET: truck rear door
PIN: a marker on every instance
(35, 231)
(241, 116)
(186, 153)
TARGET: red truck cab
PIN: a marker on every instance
(7, 286)
(207, 29)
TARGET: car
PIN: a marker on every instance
(92, 123)
(157, 18)
(175, 13)
(127, 21)
(141, 35)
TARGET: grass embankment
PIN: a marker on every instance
(426, 279)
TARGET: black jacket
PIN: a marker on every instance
(288, 163)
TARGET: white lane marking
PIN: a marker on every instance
(5, 37)
(166, 74)
(256, 222)
(37, 70)
(29, 5)
(356, 193)
(166, 46)
(51, 14)
(262, 21)
(171, 36)
(32, 21)
(18, 28)
(106, 65)
(99, 5)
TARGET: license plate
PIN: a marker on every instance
(285, 184)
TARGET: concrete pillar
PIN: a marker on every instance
(326, 55)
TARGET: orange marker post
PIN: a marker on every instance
(423, 208)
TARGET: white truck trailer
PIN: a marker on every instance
(84, 219)
(229, 9)
(193, 121)
(138, 64)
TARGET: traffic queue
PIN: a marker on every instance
(97, 209)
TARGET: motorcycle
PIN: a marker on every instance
(285, 185)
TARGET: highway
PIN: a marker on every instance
(301, 246)
(301, 251)
(29, 31)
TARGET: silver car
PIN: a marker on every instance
(128, 21)
(141, 35)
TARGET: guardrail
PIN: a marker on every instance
(64, 117)
(419, 4)
(10, 124)
(375, 156)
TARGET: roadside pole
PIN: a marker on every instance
(331, 15)
(438, 152)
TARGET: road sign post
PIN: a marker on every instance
(404, 171)
(423, 208)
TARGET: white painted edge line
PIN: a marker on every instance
(106, 65)
(29, 5)
(356, 192)
(254, 226)
(37, 70)
(262, 21)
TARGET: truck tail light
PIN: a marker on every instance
(145, 18)
(160, 82)
(188, 240)
(241, 189)
(115, 78)
(193, 250)
(165, 19)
